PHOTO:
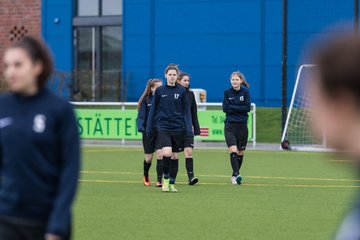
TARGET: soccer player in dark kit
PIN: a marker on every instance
(236, 105)
(184, 80)
(39, 149)
(170, 109)
(149, 142)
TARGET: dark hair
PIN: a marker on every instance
(172, 66)
(242, 77)
(338, 67)
(147, 90)
(183, 74)
(38, 52)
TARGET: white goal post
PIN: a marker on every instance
(297, 133)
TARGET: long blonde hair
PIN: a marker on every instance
(147, 91)
(242, 77)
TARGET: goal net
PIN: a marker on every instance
(297, 133)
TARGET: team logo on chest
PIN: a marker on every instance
(241, 98)
(39, 124)
(176, 96)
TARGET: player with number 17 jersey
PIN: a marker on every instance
(171, 110)
(171, 107)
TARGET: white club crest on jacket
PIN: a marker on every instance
(39, 123)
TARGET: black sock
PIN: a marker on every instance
(146, 168)
(174, 168)
(159, 169)
(189, 162)
(166, 166)
(240, 161)
(234, 163)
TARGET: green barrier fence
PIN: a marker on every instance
(111, 124)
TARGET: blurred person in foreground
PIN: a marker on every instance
(336, 102)
(39, 149)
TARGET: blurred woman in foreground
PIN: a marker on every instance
(39, 149)
(336, 91)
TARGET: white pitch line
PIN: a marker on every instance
(228, 184)
(223, 176)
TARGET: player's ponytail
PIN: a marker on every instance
(147, 91)
(242, 77)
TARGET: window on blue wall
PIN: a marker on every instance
(92, 8)
(98, 64)
(88, 8)
(98, 51)
(111, 7)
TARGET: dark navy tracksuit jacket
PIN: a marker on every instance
(236, 105)
(39, 159)
(193, 110)
(171, 110)
(143, 113)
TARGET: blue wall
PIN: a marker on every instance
(58, 36)
(208, 38)
(310, 21)
(212, 38)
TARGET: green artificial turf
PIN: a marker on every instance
(268, 125)
(285, 195)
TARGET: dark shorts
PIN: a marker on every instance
(149, 143)
(175, 140)
(236, 134)
(188, 142)
(18, 229)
